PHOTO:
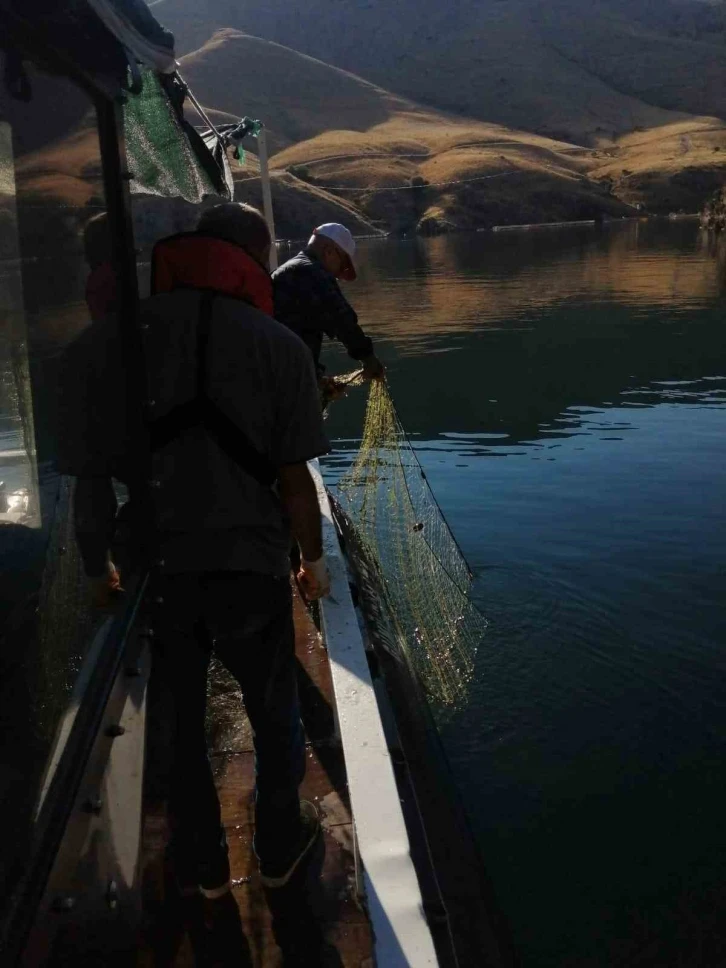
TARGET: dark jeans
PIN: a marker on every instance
(247, 620)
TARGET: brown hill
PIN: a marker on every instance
(350, 151)
(579, 71)
(298, 96)
(396, 163)
(673, 168)
(400, 165)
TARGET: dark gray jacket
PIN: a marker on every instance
(308, 301)
(211, 515)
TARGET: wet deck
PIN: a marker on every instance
(317, 919)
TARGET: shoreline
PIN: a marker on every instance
(497, 229)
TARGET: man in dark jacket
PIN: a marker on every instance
(308, 299)
(235, 416)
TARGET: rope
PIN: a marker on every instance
(405, 188)
(199, 109)
(396, 188)
(418, 155)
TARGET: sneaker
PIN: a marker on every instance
(214, 893)
(277, 871)
(213, 873)
(210, 878)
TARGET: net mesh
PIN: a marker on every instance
(64, 615)
(414, 579)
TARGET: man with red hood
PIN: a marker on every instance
(234, 416)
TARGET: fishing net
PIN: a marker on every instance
(414, 579)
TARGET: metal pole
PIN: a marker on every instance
(116, 176)
(266, 193)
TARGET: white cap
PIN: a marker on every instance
(344, 240)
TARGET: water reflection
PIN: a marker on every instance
(460, 284)
(479, 340)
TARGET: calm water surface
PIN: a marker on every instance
(566, 392)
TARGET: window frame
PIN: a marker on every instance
(103, 667)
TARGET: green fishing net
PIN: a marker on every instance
(414, 580)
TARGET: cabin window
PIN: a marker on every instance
(54, 258)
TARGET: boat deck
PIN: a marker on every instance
(318, 918)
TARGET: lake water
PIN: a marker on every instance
(566, 393)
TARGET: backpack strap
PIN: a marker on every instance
(203, 410)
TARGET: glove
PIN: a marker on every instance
(373, 369)
(105, 589)
(314, 579)
(331, 389)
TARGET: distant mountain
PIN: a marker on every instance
(299, 96)
(573, 69)
(415, 114)
(400, 166)
(420, 116)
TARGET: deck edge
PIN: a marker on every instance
(402, 935)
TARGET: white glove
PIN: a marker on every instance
(314, 578)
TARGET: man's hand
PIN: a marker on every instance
(314, 579)
(105, 589)
(373, 369)
(330, 390)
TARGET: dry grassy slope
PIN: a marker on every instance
(388, 141)
(578, 70)
(676, 167)
(297, 95)
(534, 178)
(299, 207)
(346, 173)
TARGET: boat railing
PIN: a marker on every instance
(85, 848)
(391, 887)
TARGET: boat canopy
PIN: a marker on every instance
(118, 49)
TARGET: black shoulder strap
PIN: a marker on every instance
(203, 410)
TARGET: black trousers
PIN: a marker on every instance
(246, 619)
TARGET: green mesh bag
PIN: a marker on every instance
(166, 156)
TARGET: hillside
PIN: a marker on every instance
(578, 71)
(633, 56)
(401, 166)
(674, 168)
(298, 96)
(398, 164)
(344, 149)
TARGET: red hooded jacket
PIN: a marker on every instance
(194, 261)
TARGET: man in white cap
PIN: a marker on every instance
(308, 299)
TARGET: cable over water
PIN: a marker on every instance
(414, 578)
